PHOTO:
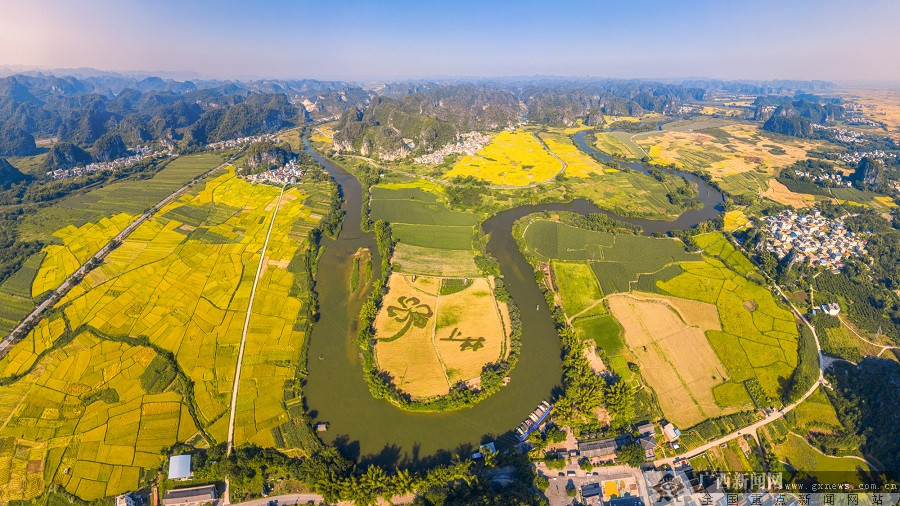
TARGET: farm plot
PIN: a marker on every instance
(129, 197)
(432, 238)
(186, 289)
(84, 420)
(723, 149)
(798, 454)
(667, 336)
(434, 333)
(618, 144)
(273, 342)
(616, 259)
(578, 163)
(78, 245)
(758, 338)
(513, 158)
(577, 285)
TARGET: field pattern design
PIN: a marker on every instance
(429, 338)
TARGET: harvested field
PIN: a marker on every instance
(669, 341)
(428, 342)
(780, 193)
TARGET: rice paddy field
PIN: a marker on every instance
(78, 245)
(433, 333)
(742, 342)
(181, 284)
(432, 238)
(723, 150)
(797, 453)
(618, 260)
(89, 418)
(513, 158)
(578, 163)
(619, 145)
(759, 337)
(667, 335)
(75, 225)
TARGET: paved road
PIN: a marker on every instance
(240, 359)
(67, 285)
(285, 499)
(751, 429)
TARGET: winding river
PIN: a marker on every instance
(361, 426)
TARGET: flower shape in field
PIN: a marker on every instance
(412, 312)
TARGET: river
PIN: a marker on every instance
(362, 426)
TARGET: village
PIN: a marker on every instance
(812, 238)
(233, 143)
(140, 153)
(288, 173)
(469, 144)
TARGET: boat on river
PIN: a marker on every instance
(534, 420)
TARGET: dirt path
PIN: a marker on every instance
(884, 347)
(240, 359)
(12, 338)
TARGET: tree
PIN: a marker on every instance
(585, 464)
(555, 463)
(619, 400)
(631, 454)
(555, 435)
(541, 482)
(571, 491)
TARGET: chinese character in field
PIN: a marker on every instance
(467, 343)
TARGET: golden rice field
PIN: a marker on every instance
(182, 281)
(513, 158)
(430, 339)
(724, 151)
(667, 335)
(84, 420)
(578, 163)
(78, 244)
(734, 220)
(779, 193)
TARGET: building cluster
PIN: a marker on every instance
(605, 449)
(139, 153)
(288, 173)
(840, 134)
(832, 179)
(468, 144)
(812, 238)
(233, 143)
(853, 157)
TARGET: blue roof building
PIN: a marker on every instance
(179, 467)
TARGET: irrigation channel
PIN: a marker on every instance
(362, 426)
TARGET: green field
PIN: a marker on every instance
(759, 337)
(798, 454)
(616, 259)
(618, 144)
(577, 286)
(432, 238)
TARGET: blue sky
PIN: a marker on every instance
(361, 40)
